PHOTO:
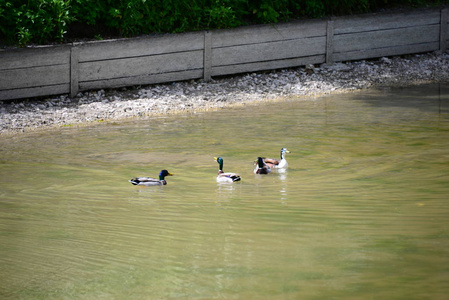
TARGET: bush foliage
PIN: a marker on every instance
(23, 22)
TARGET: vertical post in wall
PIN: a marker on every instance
(74, 70)
(330, 42)
(207, 55)
(443, 29)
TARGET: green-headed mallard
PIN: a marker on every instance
(261, 167)
(278, 163)
(148, 181)
(225, 177)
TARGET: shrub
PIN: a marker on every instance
(41, 21)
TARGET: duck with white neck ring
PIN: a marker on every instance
(223, 177)
(148, 181)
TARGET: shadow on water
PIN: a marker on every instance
(361, 211)
(423, 97)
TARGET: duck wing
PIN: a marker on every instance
(271, 162)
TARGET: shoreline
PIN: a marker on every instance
(26, 115)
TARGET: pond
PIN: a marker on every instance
(362, 211)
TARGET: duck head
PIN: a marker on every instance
(260, 162)
(164, 173)
(284, 151)
(219, 160)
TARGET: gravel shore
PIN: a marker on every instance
(104, 105)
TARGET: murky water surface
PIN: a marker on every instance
(362, 212)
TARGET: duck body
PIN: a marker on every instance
(149, 181)
(223, 177)
(278, 163)
(261, 167)
(228, 177)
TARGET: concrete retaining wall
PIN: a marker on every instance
(68, 69)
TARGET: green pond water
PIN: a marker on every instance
(362, 212)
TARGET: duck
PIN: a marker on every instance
(278, 163)
(225, 177)
(148, 181)
(261, 167)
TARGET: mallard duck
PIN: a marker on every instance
(278, 163)
(261, 167)
(225, 177)
(148, 181)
